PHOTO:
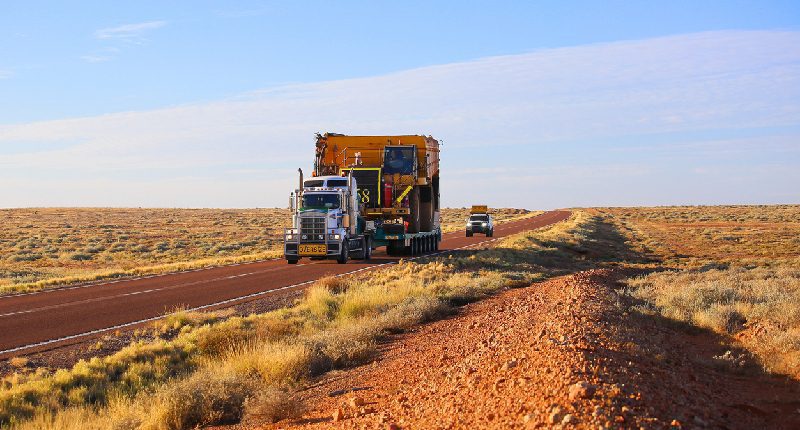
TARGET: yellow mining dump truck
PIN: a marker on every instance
(398, 186)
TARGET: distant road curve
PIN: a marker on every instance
(51, 318)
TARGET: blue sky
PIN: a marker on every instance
(540, 104)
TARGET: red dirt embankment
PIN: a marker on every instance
(564, 352)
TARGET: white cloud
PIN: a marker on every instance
(128, 31)
(122, 36)
(101, 55)
(506, 120)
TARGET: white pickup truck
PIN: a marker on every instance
(480, 221)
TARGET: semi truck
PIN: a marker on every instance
(366, 192)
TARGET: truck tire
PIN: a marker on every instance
(367, 248)
(362, 255)
(490, 233)
(413, 206)
(469, 234)
(344, 253)
(426, 206)
(292, 261)
(395, 247)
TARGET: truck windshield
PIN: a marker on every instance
(320, 201)
(479, 218)
(399, 159)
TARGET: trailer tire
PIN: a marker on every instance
(344, 254)
(426, 208)
(395, 248)
(413, 206)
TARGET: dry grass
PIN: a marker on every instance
(760, 306)
(734, 269)
(40, 248)
(693, 236)
(215, 371)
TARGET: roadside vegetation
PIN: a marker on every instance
(211, 368)
(45, 247)
(732, 269)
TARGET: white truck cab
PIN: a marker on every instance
(325, 221)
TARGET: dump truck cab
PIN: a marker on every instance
(480, 221)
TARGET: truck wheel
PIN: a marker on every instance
(292, 261)
(469, 234)
(367, 248)
(363, 254)
(395, 247)
(413, 206)
(343, 254)
(426, 207)
(490, 233)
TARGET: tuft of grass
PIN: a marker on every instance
(271, 404)
(18, 362)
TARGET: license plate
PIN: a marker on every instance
(313, 249)
(390, 237)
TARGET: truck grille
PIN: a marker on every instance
(312, 225)
(477, 224)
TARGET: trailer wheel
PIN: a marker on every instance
(413, 206)
(395, 247)
(344, 254)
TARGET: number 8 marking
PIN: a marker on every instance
(364, 195)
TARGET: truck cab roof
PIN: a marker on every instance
(331, 181)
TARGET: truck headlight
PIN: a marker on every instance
(334, 237)
(484, 224)
(289, 237)
(304, 237)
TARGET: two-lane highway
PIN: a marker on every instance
(48, 318)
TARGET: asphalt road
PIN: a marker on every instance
(48, 318)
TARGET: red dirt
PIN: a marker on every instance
(565, 352)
